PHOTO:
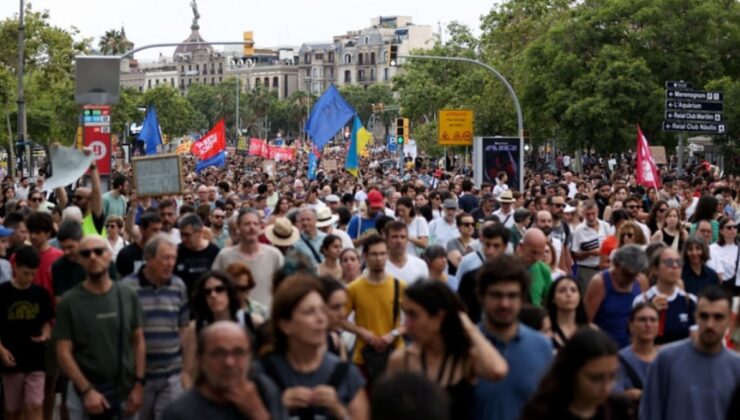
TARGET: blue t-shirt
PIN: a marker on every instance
(640, 367)
(528, 355)
(676, 319)
(685, 383)
(358, 225)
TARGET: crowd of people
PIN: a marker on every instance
(259, 293)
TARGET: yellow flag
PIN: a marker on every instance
(363, 139)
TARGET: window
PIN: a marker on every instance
(307, 58)
(149, 84)
(331, 72)
(372, 75)
(372, 58)
(360, 75)
(190, 67)
(219, 79)
(347, 59)
(220, 68)
(213, 80)
(190, 81)
(172, 82)
(319, 56)
(182, 69)
(347, 76)
(140, 89)
(331, 57)
(267, 82)
(197, 68)
(385, 74)
(367, 40)
(360, 60)
(385, 56)
(275, 82)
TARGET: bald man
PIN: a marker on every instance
(89, 319)
(226, 390)
(531, 250)
(545, 222)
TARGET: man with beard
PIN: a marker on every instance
(603, 191)
(94, 317)
(195, 254)
(218, 227)
(131, 257)
(695, 377)
(502, 288)
(114, 201)
(227, 388)
(168, 216)
(560, 231)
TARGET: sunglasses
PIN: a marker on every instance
(672, 262)
(558, 205)
(730, 227)
(37, 199)
(86, 253)
(210, 290)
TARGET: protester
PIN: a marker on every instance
(459, 247)
(564, 303)
(610, 295)
(351, 264)
(263, 260)
(113, 230)
(587, 240)
(444, 229)
(446, 346)
(671, 232)
(131, 257)
(94, 317)
(325, 221)
(436, 259)
(330, 249)
(579, 383)
(695, 273)
(195, 254)
(502, 288)
(401, 264)
(227, 387)
(506, 212)
(417, 229)
(635, 359)
(699, 363)
(313, 381)
(244, 284)
(26, 313)
(725, 255)
(335, 295)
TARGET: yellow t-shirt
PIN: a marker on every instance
(372, 304)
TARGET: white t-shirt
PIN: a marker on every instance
(499, 189)
(346, 240)
(587, 239)
(418, 228)
(414, 269)
(723, 259)
(506, 219)
(440, 232)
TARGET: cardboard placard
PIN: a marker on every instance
(157, 175)
(659, 155)
(329, 164)
(269, 167)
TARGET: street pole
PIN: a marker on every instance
(517, 106)
(21, 100)
(237, 109)
(679, 170)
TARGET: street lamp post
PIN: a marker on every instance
(517, 106)
(21, 99)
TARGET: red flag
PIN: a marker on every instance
(212, 143)
(646, 171)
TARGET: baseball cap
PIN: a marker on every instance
(569, 209)
(5, 232)
(375, 199)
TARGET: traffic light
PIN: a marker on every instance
(402, 130)
(394, 55)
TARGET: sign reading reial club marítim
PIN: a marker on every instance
(692, 110)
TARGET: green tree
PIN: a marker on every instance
(114, 42)
(175, 113)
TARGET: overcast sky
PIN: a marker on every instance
(274, 22)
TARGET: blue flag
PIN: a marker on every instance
(327, 117)
(150, 133)
(218, 160)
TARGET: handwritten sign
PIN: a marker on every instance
(329, 164)
(157, 175)
(659, 156)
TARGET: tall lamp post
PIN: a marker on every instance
(21, 143)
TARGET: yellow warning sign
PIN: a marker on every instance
(455, 127)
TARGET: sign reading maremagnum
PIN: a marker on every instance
(689, 110)
(492, 155)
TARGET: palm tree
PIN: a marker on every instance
(114, 42)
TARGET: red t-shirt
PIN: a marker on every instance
(43, 275)
(609, 245)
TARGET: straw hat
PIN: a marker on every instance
(506, 197)
(325, 218)
(282, 232)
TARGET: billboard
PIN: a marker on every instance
(492, 155)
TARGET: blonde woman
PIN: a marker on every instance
(672, 233)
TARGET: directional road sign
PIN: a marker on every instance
(693, 106)
(673, 84)
(694, 116)
(693, 95)
(696, 127)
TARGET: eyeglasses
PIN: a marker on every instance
(672, 262)
(37, 199)
(210, 290)
(86, 253)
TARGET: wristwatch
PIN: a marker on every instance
(140, 380)
(395, 333)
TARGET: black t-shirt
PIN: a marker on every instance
(192, 264)
(66, 274)
(22, 314)
(129, 259)
(467, 291)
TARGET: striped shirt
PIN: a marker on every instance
(165, 312)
